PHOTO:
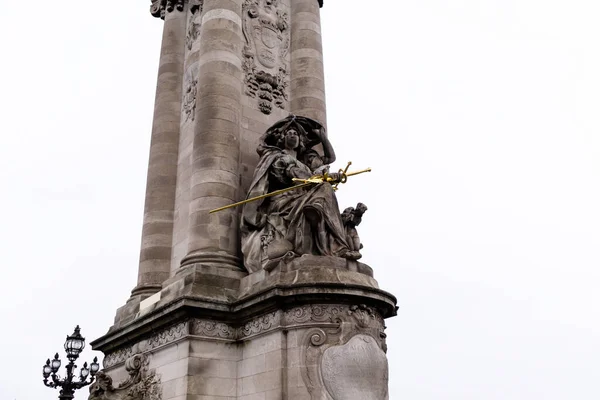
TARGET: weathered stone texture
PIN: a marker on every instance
(155, 255)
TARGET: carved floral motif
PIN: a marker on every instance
(266, 30)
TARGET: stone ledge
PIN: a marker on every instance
(237, 313)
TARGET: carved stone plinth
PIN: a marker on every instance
(306, 332)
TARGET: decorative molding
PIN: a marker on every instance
(168, 335)
(266, 31)
(261, 324)
(117, 357)
(142, 383)
(213, 329)
(341, 321)
(159, 8)
(314, 313)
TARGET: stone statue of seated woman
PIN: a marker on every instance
(300, 221)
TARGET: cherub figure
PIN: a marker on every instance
(352, 217)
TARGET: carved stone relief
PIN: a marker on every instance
(261, 324)
(346, 361)
(267, 34)
(191, 91)
(142, 384)
(212, 329)
(168, 335)
(117, 357)
(355, 370)
(159, 8)
(194, 23)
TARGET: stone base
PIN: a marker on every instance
(306, 330)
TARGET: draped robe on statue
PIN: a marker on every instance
(303, 221)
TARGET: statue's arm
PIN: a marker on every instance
(328, 152)
(284, 169)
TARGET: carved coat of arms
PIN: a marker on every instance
(266, 31)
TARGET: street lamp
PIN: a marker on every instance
(73, 347)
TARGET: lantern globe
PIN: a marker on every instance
(84, 372)
(95, 367)
(74, 344)
(47, 369)
(55, 363)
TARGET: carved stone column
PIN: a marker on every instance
(213, 238)
(157, 231)
(308, 82)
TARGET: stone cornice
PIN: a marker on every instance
(255, 317)
(159, 8)
(362, 319)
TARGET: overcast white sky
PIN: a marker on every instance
(480, 119)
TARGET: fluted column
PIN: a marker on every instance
(213, 238)
(157, 231)
(307, 78)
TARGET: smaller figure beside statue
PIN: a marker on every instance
(291, 207)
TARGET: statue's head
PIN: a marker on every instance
(292, 139)
(347, 215)
(290, 127)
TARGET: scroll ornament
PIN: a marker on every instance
(159, 8)
(142, 384)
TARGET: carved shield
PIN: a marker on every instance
(265, 29)
(356, 370)
(270, 37)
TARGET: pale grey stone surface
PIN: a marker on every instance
(355, 370)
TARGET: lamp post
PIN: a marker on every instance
(73, 347)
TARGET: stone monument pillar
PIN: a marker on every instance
(265, 300)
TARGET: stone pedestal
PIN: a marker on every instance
(199, 325)
(306, 332)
